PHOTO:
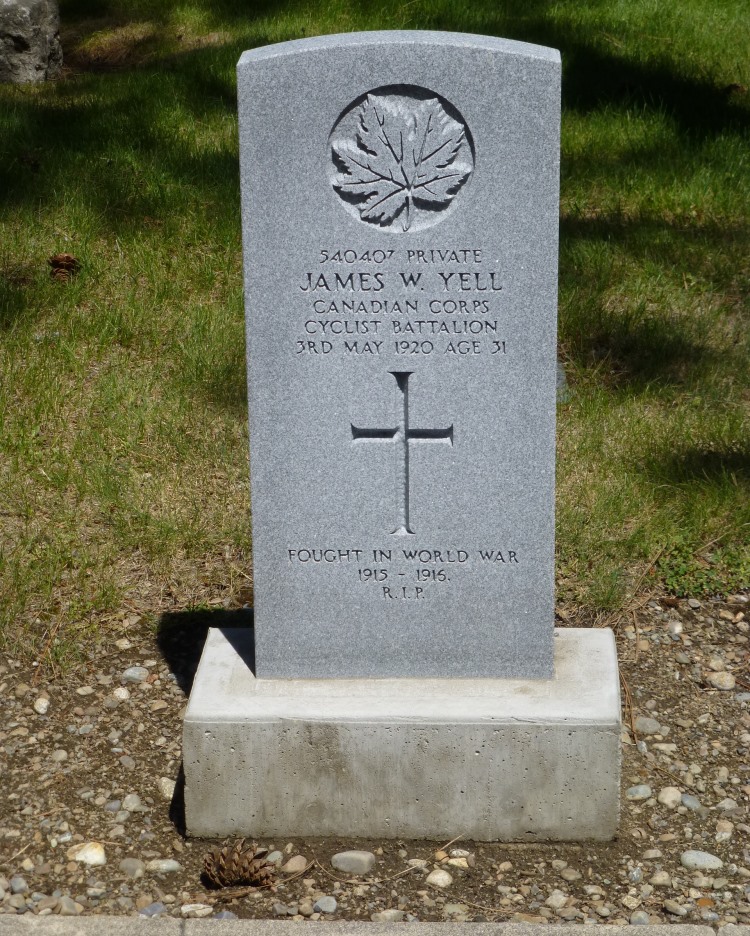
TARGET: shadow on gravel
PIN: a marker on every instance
(181, 635)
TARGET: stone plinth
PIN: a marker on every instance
(405, 758)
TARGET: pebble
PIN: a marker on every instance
(127, 762)
(724, 681)
(166, 787)
(164, 866)
(295, 865)
(646, 726)
(59, 755)
(132, 868)
(640, 792)
(132, 803)
(325, 904)
(41, 706)
(354, 862)
(196, 910)
(153, 910)
(676, 909)
(69, 907)
(388, 916)
(135, 674)
(661, 879)
(639, 918)
(556, 900)
(18, 884)
(85, 690)
(88, 853)
(121, 694)
(421, 864)
(439, 878)
(691, 802)
(670, 797)
(700, 861)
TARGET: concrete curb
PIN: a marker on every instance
(129, 926)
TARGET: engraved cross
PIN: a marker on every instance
(402, 434)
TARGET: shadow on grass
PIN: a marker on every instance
(714, 466)
(181, 635)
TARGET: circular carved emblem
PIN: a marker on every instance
(399, 157)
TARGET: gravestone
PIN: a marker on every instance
(400, 215)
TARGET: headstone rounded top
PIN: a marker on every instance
(415, 37)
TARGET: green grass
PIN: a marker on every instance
(123, 469)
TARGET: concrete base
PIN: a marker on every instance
(490, 759)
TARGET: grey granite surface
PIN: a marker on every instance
(400, 214)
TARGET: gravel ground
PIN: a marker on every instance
(91, 820)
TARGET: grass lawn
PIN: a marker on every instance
(123, 465)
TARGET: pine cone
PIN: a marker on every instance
(64, 266)
(237, 865)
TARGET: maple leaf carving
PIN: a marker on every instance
(405, 153)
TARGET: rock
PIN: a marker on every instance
(196, 910)
(59, 755)
(225, 915)
(135, 674)
(280, 909)
(121, 694)
(676, 909)
(570, 874)
(556, 900)
(69, 907)
(85, 690)
(153, 910)
(723, 681)
(640, 792)
(164, 866)
(325, 904)
(652, 854)
(132, 803)
(41, 706)
(727, 804)
(700, 861)
(127, 762)
(690, 802)
(30, 48)
(88, 853)
(133, 868)
(354, 862)
(694, 603)
(18, 884)
(439, 878)
(661, 879)
(275, 858)
(420, 864)
(670, 797)
(646, 726)
(639, 918)
(295, 865)
(388, 916)
(462, 863)
(165, 786)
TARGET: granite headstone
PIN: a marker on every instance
(400, 203)
(400, 217)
